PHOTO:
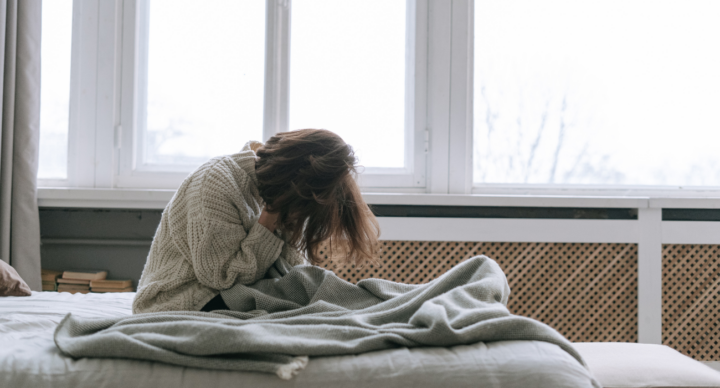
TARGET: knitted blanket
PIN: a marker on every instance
(308, 311)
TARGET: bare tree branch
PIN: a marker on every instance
(578, 160)
(490, 118)
(536, 143)
(561, 137)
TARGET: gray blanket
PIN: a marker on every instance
(304, 311)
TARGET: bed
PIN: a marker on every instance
(29, 358)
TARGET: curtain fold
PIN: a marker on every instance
(20, 33)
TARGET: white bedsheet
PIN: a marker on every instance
(29, 358)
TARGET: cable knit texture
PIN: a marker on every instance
(209, 238)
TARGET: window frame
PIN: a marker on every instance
(93, 88)
(439, 116)
(276, 99)
(105, 97)
(581, 190)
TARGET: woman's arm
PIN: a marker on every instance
(223, 253)
(225, 240)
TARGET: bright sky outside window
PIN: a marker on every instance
(205, 80)
(55, 92)
(347, 74)
(603, 92)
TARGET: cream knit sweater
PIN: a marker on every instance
(209, 238)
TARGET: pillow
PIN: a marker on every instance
(632, 365)
(11, 284)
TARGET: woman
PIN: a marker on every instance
(235, 215)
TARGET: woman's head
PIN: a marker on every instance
(307, 176)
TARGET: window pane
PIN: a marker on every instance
(204, 80)
(347, 74)
(603, 92)
(55, 92)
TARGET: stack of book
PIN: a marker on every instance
(49, 279)
(79, 280)
(111, 286)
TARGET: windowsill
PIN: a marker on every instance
(158, 199)
(69, 197)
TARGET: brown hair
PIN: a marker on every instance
(307, 176)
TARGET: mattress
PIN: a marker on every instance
(29, 358)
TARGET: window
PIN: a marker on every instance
(55, 93)
(201, 81)
(249, 69)
(465, 96)
(143, 91)
(597, 93)
(347, 74)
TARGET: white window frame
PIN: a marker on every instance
(439, 118)
(93, 95)
(700, 193)
(106, 96)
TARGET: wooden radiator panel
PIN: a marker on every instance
(588, 292)
(691, 300)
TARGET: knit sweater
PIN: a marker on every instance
(209, 238)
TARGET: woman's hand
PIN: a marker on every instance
(268, 220)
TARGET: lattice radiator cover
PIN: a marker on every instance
(588, 292)
(691, 300)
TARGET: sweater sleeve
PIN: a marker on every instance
(226, 243)
(223, 253)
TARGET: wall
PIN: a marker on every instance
(118, 240)
(114, 240)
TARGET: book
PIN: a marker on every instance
(75, 291)
(72, 288)
(111, 283)
(90, 274)
(50, 275)
(126, 289)
(73, 281)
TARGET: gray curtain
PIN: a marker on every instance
(20, 28)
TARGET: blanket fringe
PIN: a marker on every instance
(287, 371)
